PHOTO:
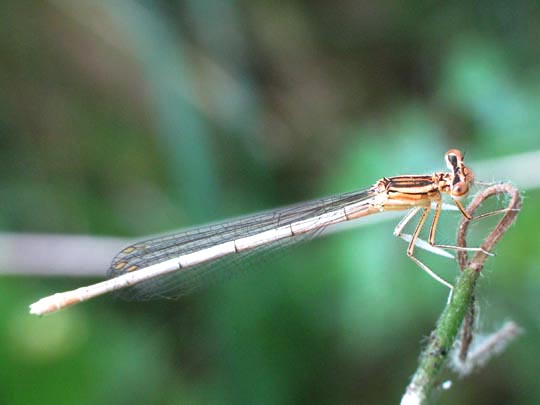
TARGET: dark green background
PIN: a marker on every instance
(128, 118)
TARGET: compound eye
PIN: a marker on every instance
(459, 190)
(453, 158)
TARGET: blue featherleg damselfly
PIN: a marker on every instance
(166, 266)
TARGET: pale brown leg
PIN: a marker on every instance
(398, 231)
(461, 248)
(412, 243)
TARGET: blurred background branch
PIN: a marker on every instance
(57, 255)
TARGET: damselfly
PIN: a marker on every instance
(167, 266)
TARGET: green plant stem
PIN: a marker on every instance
(442, 339)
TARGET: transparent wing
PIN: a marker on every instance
(174, 285)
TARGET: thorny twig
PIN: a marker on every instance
(441, 341)
(511, 212)
(487, 347)
(469, 360)
(467, 330)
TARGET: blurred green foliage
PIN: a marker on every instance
(136, 117)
